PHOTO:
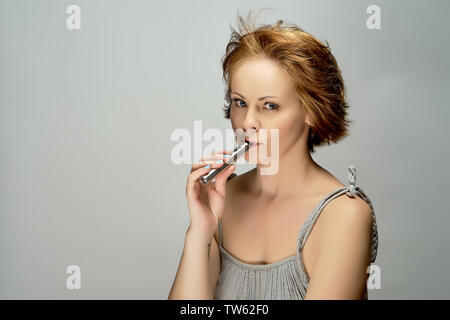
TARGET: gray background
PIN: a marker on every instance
(86, 118)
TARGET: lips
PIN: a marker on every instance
(253, 143)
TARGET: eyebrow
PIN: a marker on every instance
(262, 98)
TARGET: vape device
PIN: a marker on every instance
(237, 153)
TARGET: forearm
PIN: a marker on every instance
(192, 278)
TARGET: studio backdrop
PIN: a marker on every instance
(91, 93)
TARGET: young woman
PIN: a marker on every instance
(296, 234)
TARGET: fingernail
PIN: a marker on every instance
(207, 166)
(219, 161)
(226, 155)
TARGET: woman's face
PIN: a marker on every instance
(251, 81)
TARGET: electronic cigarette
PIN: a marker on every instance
(237, 153)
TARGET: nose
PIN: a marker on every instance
(251, 122)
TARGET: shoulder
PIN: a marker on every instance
(346, 218)
(340, 270)
(354, 209)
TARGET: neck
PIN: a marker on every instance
(294, 173)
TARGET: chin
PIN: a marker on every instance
(256, 159)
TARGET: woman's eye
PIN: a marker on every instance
(269, 105)
(237, 102)
(272, 106)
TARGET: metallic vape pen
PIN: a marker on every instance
(237, 153)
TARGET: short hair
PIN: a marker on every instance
(313, 70)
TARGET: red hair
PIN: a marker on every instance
(312, 68)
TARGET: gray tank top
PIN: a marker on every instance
(285, 279)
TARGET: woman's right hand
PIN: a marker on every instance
(206, 202)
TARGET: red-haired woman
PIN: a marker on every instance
(296, 234)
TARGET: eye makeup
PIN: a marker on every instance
(235, 102)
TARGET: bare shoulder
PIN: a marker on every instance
(340, 269)
(346, 214)
(346, 207)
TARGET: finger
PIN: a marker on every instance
(224, 151)
(213, 163)
(217, 155)
(195, 175)
(221, 179)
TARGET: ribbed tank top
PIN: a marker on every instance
(285, 279)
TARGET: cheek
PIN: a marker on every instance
(232, 116)
(234, 123)
(237, 118)
(288, 133)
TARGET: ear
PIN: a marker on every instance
(307, 120)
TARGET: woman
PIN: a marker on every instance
(247, 235)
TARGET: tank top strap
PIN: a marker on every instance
(350, 190)
(311, 219)
(351, 186)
